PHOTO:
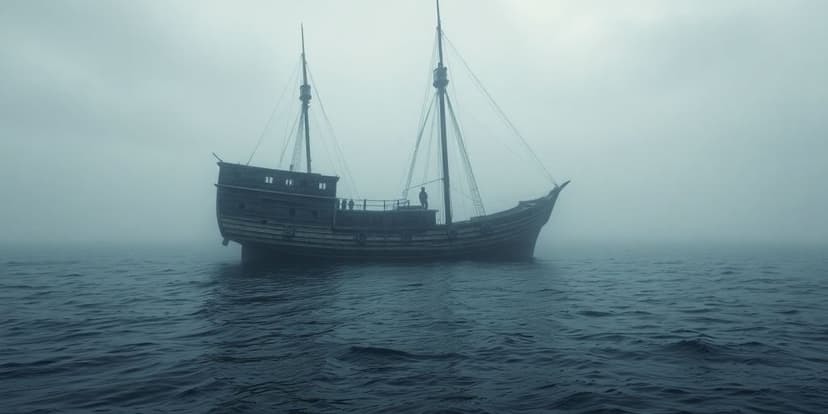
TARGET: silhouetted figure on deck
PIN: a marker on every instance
(351, 205)
(423, 198)
(344, 204)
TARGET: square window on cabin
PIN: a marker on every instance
(289, 182)
(268, 180)
(323, 185)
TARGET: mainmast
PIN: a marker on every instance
(440, 82)
(305, 97)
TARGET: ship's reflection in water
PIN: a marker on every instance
(328, 336)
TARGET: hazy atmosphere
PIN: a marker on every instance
(675, 121)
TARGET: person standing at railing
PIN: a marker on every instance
(351, 204)
(423, 198)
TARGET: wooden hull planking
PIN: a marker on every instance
(508, 235)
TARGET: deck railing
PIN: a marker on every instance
(371, 205)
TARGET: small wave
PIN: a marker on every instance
(740, 390)
(673, 391)
(20, 287)
(518, 338)
(594, 314)
(17, 263)
(36, 363)
(360, 353)
(698, 310)
(612, 337)
(458, 398)
(748, 329)
(668, 262)
(695, 347)
(37, 368)
(752, 344)
(637, 312)
(574, 400)
(709, 320)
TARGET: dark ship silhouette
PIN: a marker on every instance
(277, 214)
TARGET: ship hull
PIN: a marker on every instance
(508, 235)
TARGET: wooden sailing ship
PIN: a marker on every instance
(286, 214)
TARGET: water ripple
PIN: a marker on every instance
(587, 332)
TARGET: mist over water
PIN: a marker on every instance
(589, 329)
(675, 121)
(683, 270)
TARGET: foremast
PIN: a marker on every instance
(440, 82)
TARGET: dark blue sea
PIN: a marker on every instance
(582, 329)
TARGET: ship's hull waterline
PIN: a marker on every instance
(508, 235)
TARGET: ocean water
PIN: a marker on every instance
(580, 329)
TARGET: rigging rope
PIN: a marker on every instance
(316, 126)
(425, 112)
(340, 155)
(273, 113)
(416, 149)
(456, 190)
(288, 134)
(432, 133)
(500, 112)
(332, 157)
(424, 183)
(472, 182)
(297, 147)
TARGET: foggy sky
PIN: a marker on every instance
(675, 120)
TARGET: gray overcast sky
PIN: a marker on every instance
(675, 120)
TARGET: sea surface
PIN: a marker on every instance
(590, 329)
